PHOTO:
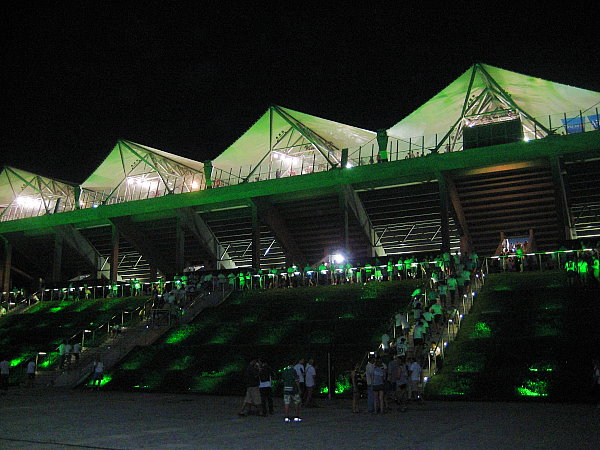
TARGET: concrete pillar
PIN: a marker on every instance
(57, 257)
(114, 254)
(179, 246)
(444, 204)
(5, 265)
(255, 238)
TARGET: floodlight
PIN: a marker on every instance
(338, 258)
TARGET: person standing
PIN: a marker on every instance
(252, 391)
(311, 375)
(415, 379)
(299, 368)
(62, 351)
(369, 379)
(266, 395)
(291, 392)
(98, 374)
(30, 373)
(76, 351)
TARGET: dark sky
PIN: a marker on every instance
(77, 76)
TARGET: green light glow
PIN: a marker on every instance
(470, 367)
(481, 330)
(319, 299)
(347, 316)
(533, 388)
(342, 385)
(50, 360)
(369, 291)
(105, 380)
(250, 319)
(501, 287)
(205, 384)
(275, 334)
(136, 361)
(180, 334)
(182, 363)
(224, 334)
(15, 362)
(460, 386)
(110, 303)
(542, 367)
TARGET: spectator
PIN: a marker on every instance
(98, 375)
(415, 379)
(379, 386)
(30, 373)
(299, 368)
(369, 379)
(311, 375)
(265, 382)
(252, 399)
(76, 351)
(354, 377)
(291, 392)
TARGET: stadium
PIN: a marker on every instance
(496, 161)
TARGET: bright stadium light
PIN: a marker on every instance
(338, 258)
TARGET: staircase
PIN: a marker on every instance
(117, 347)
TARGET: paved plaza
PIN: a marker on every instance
(44, 418)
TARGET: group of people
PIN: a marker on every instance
(299, 382)
(5, 373)
(68, 352)
(397, 381)
(583, 269)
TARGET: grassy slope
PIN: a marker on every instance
(528, 336)
(210, 354)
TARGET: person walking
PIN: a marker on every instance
(311, 375)
(265, 373)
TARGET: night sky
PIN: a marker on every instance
(77, 76)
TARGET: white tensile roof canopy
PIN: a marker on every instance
(290, 142)
(133, 171)
(25, 194)
(488, 93)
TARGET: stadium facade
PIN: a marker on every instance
(494, 154)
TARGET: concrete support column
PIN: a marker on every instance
(5, 265)
(444, 204)
(57, 257)
(179, 246)
(345, 227)
(114, 254)
(256, 238)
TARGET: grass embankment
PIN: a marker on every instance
(528, 336)
(279, 325)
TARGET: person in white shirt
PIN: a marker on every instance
(76, 351)
(299, 368)
(310, 374)
(369, 378)
(98, 373)
(415, 378)
(30, 373)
